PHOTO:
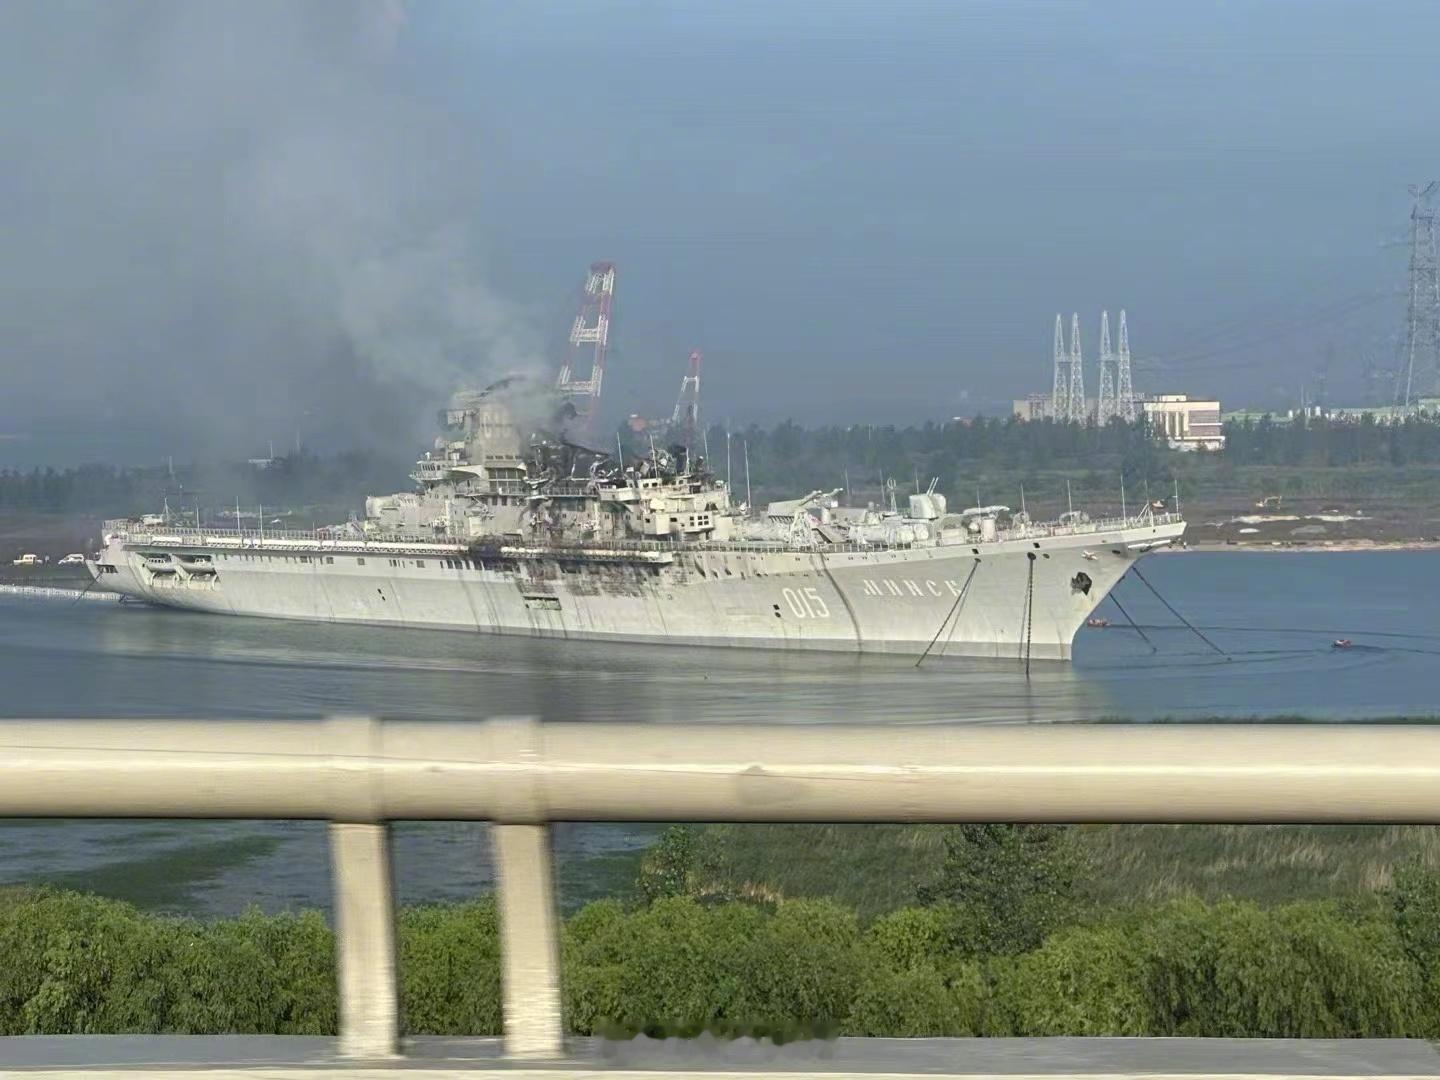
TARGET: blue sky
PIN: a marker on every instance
(867, 210)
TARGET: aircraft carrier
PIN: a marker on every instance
(507, 532)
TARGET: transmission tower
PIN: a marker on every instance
(686, 418)
(1060, 396)
(1105, 403)
(592, 328)
(1422, 317)
(1076, 397)
(1125, 397)
(1322, 376)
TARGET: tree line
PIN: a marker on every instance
(866, 459)
(998, 944)
(1324, 441)
(964, 455)
(292, 481)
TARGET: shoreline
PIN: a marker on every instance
(55, 592)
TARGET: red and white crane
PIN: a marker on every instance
(592, 328)
(685, 420)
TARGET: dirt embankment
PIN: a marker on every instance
(1312, 523)
(50, 536)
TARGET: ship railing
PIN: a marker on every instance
(1025, 532)
(360, 774)
(339, 540)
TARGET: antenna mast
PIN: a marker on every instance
(1422, 316)
(592, 328)
(1105, 403)
(1076, 397)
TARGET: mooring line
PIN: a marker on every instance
(85, 590)
(954, 608)
(1029, 610)
(1133, 624)
(1135, 569)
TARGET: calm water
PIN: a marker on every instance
(1275, 615)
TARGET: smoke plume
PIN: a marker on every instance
(228, 222)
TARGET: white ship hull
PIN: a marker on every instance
(1010, 597)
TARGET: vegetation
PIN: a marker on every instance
(1319, 441)
(995, 453)
(1388, 473)
(878, 868)
(1006, 886)
(678, 965)
(296, 480)
(960, 451)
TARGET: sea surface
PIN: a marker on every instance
(1262, 646)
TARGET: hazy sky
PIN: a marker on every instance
(223, 222)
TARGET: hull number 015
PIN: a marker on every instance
(806, 603)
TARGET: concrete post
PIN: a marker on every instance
(365, 940)
(529, 933)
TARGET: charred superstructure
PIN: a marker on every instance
(516, 531)
(485, 485)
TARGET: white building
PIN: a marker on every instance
(1185, 424)
(1034, 407)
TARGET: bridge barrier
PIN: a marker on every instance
(358, 774)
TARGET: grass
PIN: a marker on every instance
(876, 868)
(1266, 863)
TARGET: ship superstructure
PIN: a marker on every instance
(513, 533)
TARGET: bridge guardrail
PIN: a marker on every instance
(358, 774)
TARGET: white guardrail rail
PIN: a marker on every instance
(359, 774)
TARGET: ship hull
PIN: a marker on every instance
(1012, 598)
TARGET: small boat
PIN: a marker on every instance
(1342, 643)
(1097, 624)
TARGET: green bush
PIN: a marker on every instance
(255, 975)
(679, 967)
(1082, 981)
(1415, 900)
(1007, 886)
(1296, 971)
(1232, 970)
(72, 964)
(919, 1001)
(913, 937)
(80, 964)
(449, 960)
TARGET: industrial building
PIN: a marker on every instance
(1175, 419)
(1185, 424)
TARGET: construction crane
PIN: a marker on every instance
(685, 420)
(592, 328)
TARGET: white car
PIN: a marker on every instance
(73, 559)
(26, 560)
